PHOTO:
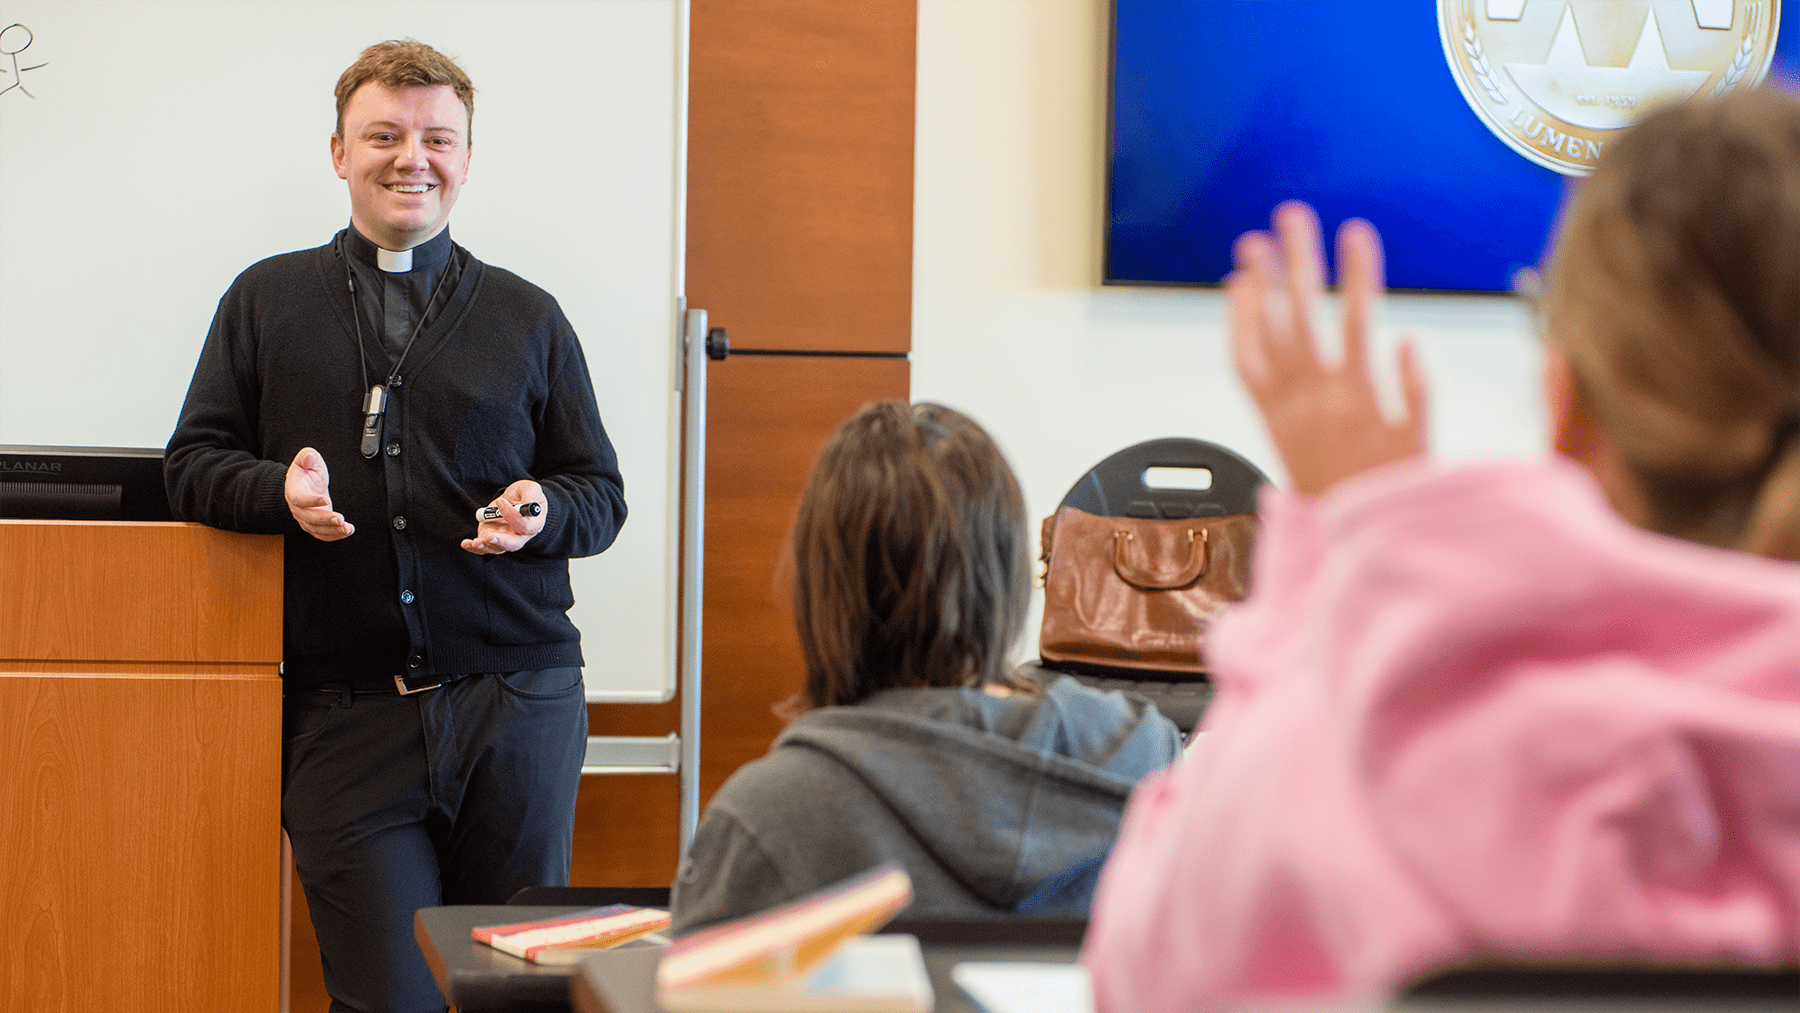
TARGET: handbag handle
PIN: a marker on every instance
(1150, 581)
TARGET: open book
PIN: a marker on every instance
(804, 956)
(564, 940)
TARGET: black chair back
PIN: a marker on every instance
(1116, 487)
(1120, 486)
(1598, 985)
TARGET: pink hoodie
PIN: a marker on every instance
(1466, 711)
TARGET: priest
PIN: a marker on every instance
(422, 428)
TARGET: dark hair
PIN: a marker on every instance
(1674, 287)
(911, 557)
(404, 63)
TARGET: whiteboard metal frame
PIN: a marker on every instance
(678, 754)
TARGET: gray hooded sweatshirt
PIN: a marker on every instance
(993, 805)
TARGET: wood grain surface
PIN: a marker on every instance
(800, 236)
(140, 829)
(800, 171)
(782, 412)
(140, 811)
(100, 595)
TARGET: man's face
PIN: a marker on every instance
(405, 154)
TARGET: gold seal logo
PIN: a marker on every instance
(1555, 79)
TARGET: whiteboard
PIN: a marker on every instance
(156, 148)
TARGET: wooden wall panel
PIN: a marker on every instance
(769, 416)
(800, 166)
(768, 419)
(800, 171)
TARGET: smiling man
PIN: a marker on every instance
(422, 429)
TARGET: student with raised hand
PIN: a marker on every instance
(914, 743)
(1517, 709)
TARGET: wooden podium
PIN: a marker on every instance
(140, 767)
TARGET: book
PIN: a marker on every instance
(812, 954)
(1025, 986)
(864, 974)
(564, 940)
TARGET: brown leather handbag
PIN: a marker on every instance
(1135, 593)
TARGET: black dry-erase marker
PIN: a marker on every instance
(492, 513)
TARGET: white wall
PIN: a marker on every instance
(1011, 324)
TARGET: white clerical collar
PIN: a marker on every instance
(392, 262)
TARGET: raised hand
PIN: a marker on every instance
(1326, 419)
(308, 492)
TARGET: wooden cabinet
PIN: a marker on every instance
(140, 767)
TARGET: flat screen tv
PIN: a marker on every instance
(83, 483)
(1454, 127)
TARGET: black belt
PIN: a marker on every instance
(390, 685)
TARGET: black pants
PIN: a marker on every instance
(459, 795)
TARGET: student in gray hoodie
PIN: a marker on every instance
(913, 742)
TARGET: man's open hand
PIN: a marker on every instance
(308, 492)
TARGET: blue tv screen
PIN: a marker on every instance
(1454, 127)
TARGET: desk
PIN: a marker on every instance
(620, 982)
(625, 981)
(476, 978)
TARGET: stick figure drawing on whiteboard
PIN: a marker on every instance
(15, 39)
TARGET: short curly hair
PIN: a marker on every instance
(403, 63)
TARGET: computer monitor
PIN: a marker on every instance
(83, 483)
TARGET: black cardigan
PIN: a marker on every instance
(495, 389)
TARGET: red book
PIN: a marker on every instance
(563, 940)
(807, 955)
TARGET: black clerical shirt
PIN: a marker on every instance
(392, 303)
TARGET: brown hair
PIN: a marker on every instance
(911, 557)
(404, 63)
(1674, 287)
